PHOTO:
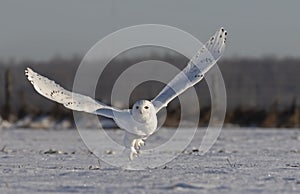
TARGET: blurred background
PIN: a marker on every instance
(260, 67)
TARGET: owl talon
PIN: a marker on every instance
(133, 153)
(139, 143)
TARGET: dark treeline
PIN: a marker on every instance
(260, 92)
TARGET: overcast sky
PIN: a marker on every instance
(38, 30)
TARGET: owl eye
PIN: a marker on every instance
(137, 107)
(146, 107)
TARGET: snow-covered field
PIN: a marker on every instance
(241, 161)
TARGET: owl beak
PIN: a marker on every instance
(141, 111)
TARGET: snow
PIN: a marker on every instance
(241, 161)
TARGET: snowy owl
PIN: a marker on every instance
(141, 120)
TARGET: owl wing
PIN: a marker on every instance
(195, 70)
(71, 100)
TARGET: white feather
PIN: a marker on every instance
(74, 101)
(195, 70)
